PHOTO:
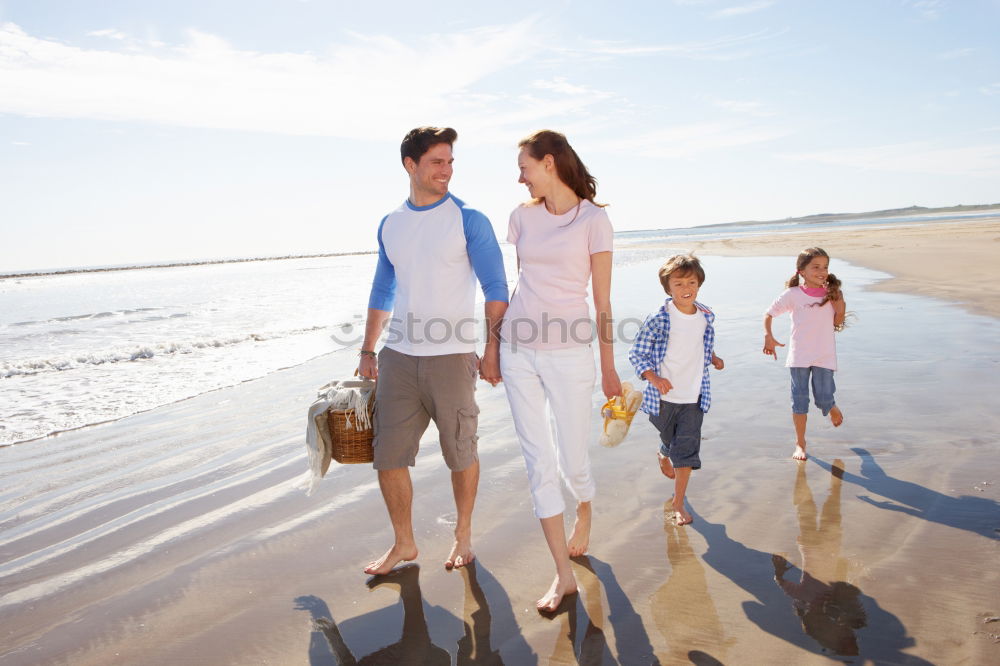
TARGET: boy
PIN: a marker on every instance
(672, 352)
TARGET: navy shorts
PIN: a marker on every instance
(823, 389)
(680, 433)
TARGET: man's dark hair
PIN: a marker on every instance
(418, 141)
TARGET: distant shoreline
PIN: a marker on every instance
(178, 264)
(807, 219)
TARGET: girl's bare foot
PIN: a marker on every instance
(681, 517)
(665, 465)
(800, 452)
(836, 416)
(559, 589)
(392, 557)
(579, 540)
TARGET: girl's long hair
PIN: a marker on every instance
(569, 167)
(832, 283)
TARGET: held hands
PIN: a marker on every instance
(717, 362)
(489, 366)
(662, 384)
(769, 344)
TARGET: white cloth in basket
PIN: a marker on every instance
(350, 394)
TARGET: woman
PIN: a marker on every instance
(563, 240)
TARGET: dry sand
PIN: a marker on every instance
(956, 262)
(183, 535)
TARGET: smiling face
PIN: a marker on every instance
(430, 176)
(535, 174)
(814, 274)
(683, 288)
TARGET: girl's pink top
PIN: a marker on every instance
(812, 339)
(549, 307)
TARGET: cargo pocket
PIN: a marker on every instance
(468, 422)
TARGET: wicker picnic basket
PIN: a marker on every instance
(351, 440)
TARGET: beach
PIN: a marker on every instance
(183, 534)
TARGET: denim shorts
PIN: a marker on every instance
(680, 432)
(823, 388)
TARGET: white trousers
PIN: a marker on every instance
(550, 394)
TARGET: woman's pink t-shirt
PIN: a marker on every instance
(549, 307)
(812, 339)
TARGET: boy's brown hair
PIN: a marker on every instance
(680, 265)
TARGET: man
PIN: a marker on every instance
(431, 251)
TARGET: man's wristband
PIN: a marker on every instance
(365, 352)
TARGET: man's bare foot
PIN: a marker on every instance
(461, 555)
(836, 416)
(665, 465)
(392, 557)
(579, 540)
(800, 452)
(681, 517)
(550, 602)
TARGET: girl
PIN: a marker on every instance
(563, 240)
(817, 308)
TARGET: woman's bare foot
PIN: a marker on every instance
(665, 465)
(800, 452)
(461, 554)
(836, 416)
(579, 540)
(559, 589)
(392, 557)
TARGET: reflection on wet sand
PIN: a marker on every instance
(328, 646)
(414, 647)
(631, 640)
(593, 647)
(683, 609)
(831, 609)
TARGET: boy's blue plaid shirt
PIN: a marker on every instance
(650, 347)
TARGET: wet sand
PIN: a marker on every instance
(183, 535)
(945, 260)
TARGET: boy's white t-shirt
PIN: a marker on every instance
(684, 362)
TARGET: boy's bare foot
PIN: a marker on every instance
(392, 557)
(461, 555)
(836, 416)
(559, 589)
(800, 452)
(579, 540)
(665, 465)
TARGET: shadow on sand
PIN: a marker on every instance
(829, 613)
(979, 515)
(327, 646)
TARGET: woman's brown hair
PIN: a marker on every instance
(569, 167)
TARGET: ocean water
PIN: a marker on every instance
(88, 347)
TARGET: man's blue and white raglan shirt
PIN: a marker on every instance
(429, 259)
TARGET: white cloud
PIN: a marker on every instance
(929, 9)
(991, 89)
(956, 53)
(110, 33)
(559, 84)
(918, 157)
(744, 107)
(366, 86)
(20, 143)
(682, 141)
(741, 10)
(725, 48)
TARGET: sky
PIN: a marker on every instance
(138, 131)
